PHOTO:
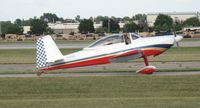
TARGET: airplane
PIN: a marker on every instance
(114, 48)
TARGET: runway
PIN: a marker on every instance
(128, 66)
(100, 74)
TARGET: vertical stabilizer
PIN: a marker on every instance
(47, 52)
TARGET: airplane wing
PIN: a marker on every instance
(126, 56)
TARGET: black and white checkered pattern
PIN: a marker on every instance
(41, 56)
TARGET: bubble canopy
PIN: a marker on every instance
(113, 39)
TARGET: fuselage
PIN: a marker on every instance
(103, 54)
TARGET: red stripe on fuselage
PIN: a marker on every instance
(104, 59)
(88, 62)
(153, 51)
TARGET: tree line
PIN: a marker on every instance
(109, 24)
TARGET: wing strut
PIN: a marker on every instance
(145, 60)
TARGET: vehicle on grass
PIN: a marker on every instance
(110, 49)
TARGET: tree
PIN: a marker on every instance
(5, 26)
(18, 22)
(114, 26)
(15, 29)
(191, 22)
(177, 26)
(26, 22)
(61, 20)
(163, 23)
(130, 27)
(140, 17)
(38, 26)
(101, 30)
(86, 26)
(49, 31)
(91, 18)
(78, 18)
(10, 28)
(49, 17)
(142, 24)
(98, 19)
(115, 19)
(126, 19)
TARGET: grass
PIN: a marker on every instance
(17, 56)
(182, 54)
(101, 92)
(57, 42)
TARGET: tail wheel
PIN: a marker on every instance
(39, 73)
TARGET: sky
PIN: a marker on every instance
(25, 9)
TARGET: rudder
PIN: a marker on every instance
(46, 52)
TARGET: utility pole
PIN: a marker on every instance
(108, 25)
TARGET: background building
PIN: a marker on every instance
(62, 28)
(176, 16)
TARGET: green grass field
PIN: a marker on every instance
(181, 54)
(57, 42)
(14, 56)
(101, 92)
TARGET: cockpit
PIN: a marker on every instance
(115, 39)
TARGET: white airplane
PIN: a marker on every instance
(110, 49)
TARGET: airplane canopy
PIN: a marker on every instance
(113, 39)
(108, 40)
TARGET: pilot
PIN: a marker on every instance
(126, 38)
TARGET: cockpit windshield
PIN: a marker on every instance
(113, 39)
(134, 36)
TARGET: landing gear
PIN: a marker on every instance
(147, 69)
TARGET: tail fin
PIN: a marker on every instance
(46, 52)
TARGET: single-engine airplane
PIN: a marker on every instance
(110, 49)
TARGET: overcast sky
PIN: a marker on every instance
(24, 9)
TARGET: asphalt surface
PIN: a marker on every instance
(129, 66)
(99, 70)
(82, 45)
(189, 43)
(96, 74)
